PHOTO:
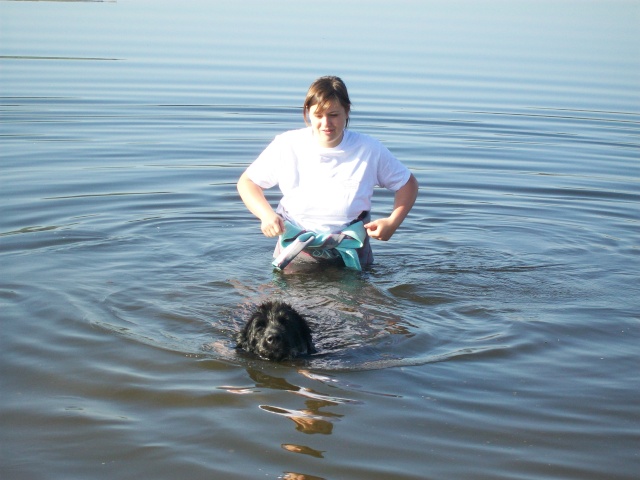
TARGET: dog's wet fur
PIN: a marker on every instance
(276, 331)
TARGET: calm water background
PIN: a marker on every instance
(498, 334)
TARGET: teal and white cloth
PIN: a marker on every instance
(321, 245)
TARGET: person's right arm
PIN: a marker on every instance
(253, 197)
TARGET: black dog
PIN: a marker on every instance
(275, 331)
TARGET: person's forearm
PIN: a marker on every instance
(404, 200)
(384, 228)
(253, 197)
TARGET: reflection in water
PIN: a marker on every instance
(309, 420)
(290, 447)
(300, 476)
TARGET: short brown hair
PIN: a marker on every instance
(325, 90)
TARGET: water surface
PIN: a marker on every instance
(495, 337)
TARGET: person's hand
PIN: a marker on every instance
(381, 229)
(272, 225)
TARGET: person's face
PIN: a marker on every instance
(328, 126)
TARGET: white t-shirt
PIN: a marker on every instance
(324, 189)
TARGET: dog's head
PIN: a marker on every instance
(275, 331)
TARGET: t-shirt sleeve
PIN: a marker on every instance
(264, 169)
(392, 174)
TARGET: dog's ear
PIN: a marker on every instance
(242, 338)
(306, 335)
(263, 309)
(303, 326)
(310, 348)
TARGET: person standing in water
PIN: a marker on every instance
(327, 174)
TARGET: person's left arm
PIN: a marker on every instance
(384, 228)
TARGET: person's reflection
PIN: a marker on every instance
(291, 447)
(300, 476)
(309, 420)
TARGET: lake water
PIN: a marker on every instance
(497, 335)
